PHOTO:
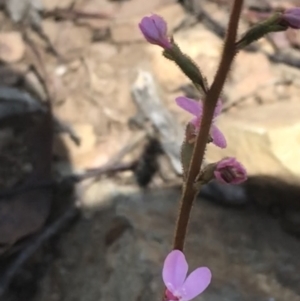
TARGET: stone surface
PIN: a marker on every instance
(69, 41)
(249, 255)
(127, 30)
(90, 153)
(102, 51)
(76, 155)
(87, 137)
(12, 47)
(265, 139)
(56, 4)
(133, 8)
(250, 71)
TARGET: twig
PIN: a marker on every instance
(39, 68)
(47, 234)
(74, 14)
(106, 169)
(109, 168)
(189, 193)
(170, 133)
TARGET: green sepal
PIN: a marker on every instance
(187, 66)
(260, 30)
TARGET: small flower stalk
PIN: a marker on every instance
(155, 31)
(272, 24)
(279, 21)
(226, 171)
(179, 286)
(187, 66)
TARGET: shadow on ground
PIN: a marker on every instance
(105, 258)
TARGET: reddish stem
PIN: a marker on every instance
(189, 193)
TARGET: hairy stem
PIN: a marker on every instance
(189, 192)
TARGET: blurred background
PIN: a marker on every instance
(90, 136)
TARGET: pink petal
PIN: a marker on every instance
(154, 29)
(292, 17)
(174, 270)
(160, 23)
(218, 137)
(149, 30)
(196, 122)
(190, 105)
(293, 11)
(293, 21)
(195, 283)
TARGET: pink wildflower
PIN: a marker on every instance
(196, 108)
(230, 171)
(154, 29)
(291, 17)
(180, 287)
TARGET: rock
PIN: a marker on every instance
(34, 85)
(11, 76)
(57, 4)
(262, 260)
(134, 8)
(102, 51)
(97, 6)
(12, 47)
(265, 139)
(26, 10)
(101, 77)
(97, 194)
(250, 71)
(127, 30)
(89, 154)
(23, 214)
(200, 44)
(68, 39)
(224, 194)
(105, 8)
(66, 149)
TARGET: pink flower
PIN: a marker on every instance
(180, 287)
(291, 17)
(154, 29)
(230, 171)
(196, 108)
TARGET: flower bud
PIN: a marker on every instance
(230, 171)
(291, 18)
(154, 29)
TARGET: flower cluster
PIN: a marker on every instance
(154, 29)
(179, 286)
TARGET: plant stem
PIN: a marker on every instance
(189, 192)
